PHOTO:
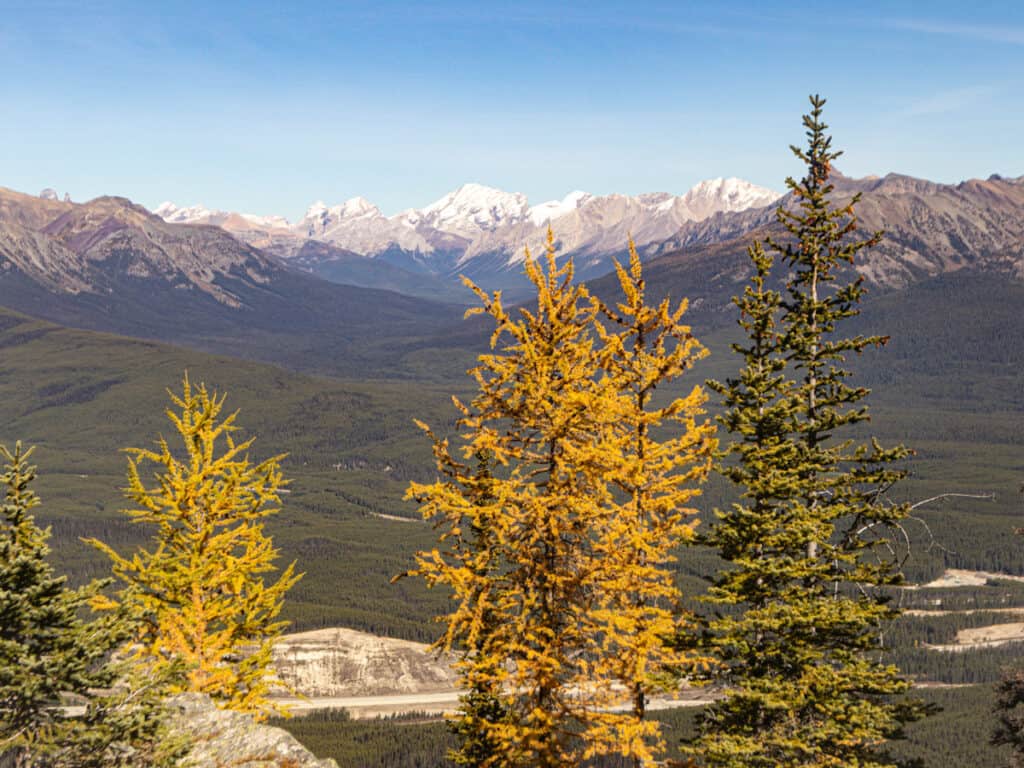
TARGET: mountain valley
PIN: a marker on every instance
(110, 265)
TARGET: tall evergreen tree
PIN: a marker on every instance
(1010, 714)
(201, 588)
(1009, 707)
(48, 650)
(806, 686)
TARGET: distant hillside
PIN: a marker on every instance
(938, 386)
(110, 265)
(81, 397)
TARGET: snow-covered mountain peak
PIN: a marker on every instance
(470, 194)
(175, 214)
(321, 219)
(200, 214)
(544, 213)
(358, 207)
(319, 208)
(473, 208)
(732, 194)
(267, 222)
(476, 220)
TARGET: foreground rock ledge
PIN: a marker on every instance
(225, 739)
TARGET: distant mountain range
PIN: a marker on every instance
(479, 231)
(111, 265)
(303, 296)
(930, 230)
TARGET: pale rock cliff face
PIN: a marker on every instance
(342, 662)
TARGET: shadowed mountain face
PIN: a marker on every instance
(111, 265)
(341, 266)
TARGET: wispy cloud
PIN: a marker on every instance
(945, 102)
(988, 32)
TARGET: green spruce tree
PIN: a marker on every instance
(1009, 706)
(48, 651)
(481, 707)
(1010, 715)
(798, 641)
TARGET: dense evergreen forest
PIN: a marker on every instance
(955, 737)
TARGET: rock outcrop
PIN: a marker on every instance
(342, 662)
(224, 739)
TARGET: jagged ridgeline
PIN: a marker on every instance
(475, 230)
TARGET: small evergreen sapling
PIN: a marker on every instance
(48, 651)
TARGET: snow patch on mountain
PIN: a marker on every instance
(726, 195)
(541, 214)
(475, 208)
(200, 214)
(192, 214)
(358, 225)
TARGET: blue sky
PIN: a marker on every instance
(266, 107)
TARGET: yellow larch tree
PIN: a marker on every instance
(201, 589)
(656, 480)
(533, 621)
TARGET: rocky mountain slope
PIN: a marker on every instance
(111, 265)
(481, 231)
(221, 738)
(930, 230)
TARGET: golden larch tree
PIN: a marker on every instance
(200, 588)
(656, 481)
(533, 620)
